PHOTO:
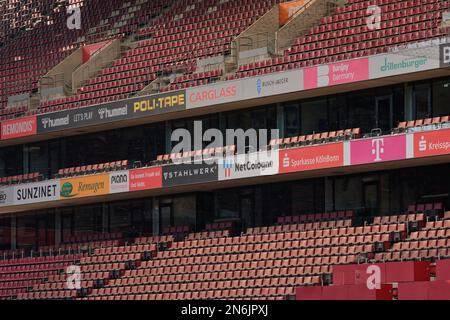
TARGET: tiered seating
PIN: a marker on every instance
(403, 218)
(208, 235)
(316, 138)
(196, 154)
(193, 79)
(93, 169)
(22, 178)
(429, 243)
(29, 53)
(346, 35)
(99, 267)
(261, 264)
(17, 275)
(205, 30)
(316, 217)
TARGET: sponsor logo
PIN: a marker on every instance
(153, 104)
(18, 128)
(214, 94)
(182, 174)
(3, 197)
(265, 85)
(227, 166)
(83, 116)
(312, 158)
(66, 190)
(54, 123)
(119, 182)
(337, 73)
(444, 55)
(317, 160)
(145, 179)
(259, 86)
(432, 143)
(251, 166)
(85, 186)
(378, 150)
(403, 64)
(36, 192)
(108, 113)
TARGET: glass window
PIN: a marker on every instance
(441, 98)
(291, 120)
(314, 116)
(422, 105)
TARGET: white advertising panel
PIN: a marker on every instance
(249, 165)
(6, 196)
(119, 181)
(36, 192)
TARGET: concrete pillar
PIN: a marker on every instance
(409, 108)
(155, 211)
(105, 218)
(57, 227)
(13, 232)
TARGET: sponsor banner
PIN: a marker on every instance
(249, 165)
(6, 196)
(311, 158)
(114, 111)
(145, 179)
(395, 64)
(87, 186)
(18, 128)
(378, 149)
(158, 104)
(444, 55)
(182, 174)
(81, 117)
(336, 73)
(432, 143)
(119, 181)
(224, 92)
(36, 192)
(274, 84)
(287, 10)
(244, 89)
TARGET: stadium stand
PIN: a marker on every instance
(357, 181)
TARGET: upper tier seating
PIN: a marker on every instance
(28, 52)
(205, 30)
(191, 30)
(345, 34)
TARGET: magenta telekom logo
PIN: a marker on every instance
(378, 150)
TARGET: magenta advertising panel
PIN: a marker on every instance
(336, 73)
(378, 149)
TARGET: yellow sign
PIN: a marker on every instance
(87, 186)
(161, 102)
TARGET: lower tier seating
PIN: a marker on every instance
(260, 263)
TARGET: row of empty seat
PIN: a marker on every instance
(22, 178)
(316, 138)
(93, 169)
